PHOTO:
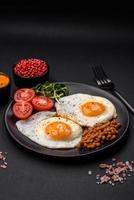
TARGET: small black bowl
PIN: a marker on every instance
(5, 91)
(29, 82)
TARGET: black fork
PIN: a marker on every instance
(104, 82)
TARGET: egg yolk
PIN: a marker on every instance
(58, 130)
(92, 109)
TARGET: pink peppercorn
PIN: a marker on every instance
(30, 68)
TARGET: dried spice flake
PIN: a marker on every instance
(3, 157)
(115, 173)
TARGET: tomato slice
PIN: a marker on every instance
(42, 103)
(24, 94)
(22, 110)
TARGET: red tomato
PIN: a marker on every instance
(24, 94)
(42, 103)
(22, 110)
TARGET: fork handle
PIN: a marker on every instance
(124, 101)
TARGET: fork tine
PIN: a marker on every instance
(106, 81)
(100, 76)
(97, 78)
(106, 78)
(102, 71)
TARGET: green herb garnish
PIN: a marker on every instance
(53, 90)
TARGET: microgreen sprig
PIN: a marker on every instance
(53, 90)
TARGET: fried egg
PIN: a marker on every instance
(50, 131)
(86, 110)
(58, 132)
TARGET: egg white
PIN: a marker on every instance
(70, 107)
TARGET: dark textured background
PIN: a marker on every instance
(71, 39)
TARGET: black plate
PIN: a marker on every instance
(73, 88)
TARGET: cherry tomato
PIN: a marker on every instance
(42, 103)
(24, 94)
(22, 110)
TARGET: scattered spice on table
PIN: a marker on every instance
(89, 172)
(115, 172)
(3, 162)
